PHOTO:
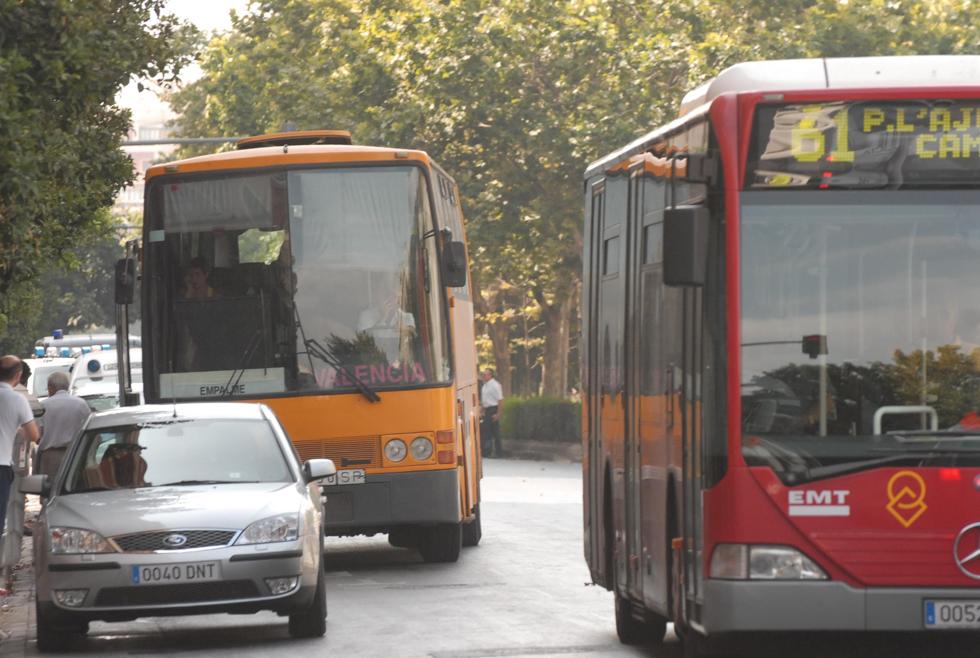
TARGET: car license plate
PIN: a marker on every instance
(194, 572)
(953, 613)
(348, 476)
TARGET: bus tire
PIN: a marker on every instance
(473, 531)
(648, 630)
(441, 543)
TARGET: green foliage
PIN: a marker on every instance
(75, 293)
(542, 419)
(62, 63)
(514, 98)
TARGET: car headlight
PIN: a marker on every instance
(282, 527)
(421, 449)
(73, 541)
(395, 450)
(751, 562)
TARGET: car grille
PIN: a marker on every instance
(183, 593)
(358, 452)
(142, 542)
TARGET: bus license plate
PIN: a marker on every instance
(953, 614)
(348, 476)
(195, 572)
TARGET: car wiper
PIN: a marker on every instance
(89, 490)
(319, 351)
(182, 483)
(925, 435)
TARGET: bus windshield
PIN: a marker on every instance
(313, 280)
(860, 329)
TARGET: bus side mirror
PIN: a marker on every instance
(685, 245)
(125, 280)
(454, 264)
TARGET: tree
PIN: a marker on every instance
(514, 98)
(61, 65)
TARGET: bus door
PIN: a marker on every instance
(693, 482)
(633, 435)
(594, 480)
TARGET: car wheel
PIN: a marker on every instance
(53, 637)
(313, 621)
(473, 531)
(441, 543)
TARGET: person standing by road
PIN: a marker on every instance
(491, 396)
(64, 416)
(15, 414)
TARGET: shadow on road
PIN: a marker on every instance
(372, 553)
(150, 636)
(838, 646)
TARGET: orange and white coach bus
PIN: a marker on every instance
(781, 358)
(329, 281)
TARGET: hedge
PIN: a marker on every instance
(541, 419)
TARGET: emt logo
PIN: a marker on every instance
(906, 497)
(819, 502)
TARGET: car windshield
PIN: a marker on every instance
(860, 338)
(177, 452)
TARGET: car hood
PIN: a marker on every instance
(214, 506)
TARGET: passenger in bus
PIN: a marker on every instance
(196, 285)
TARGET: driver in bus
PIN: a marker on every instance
(196, 284)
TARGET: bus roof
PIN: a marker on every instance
(838, 73)
(807, 74)
(272, 156)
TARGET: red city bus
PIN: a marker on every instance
(781, 360)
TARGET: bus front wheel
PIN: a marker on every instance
(646, 630)
(441, 543)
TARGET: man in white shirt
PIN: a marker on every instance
(15, 414)
(64, 416)
(491, 395)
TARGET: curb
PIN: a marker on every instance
(553, 451)
(17, 609)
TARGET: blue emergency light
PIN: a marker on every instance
(94, 365)
(57, 333)
(39, 352)
(65, 352)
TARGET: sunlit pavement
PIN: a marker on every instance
(522, 592)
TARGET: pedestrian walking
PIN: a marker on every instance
(491, 397)
(64, 416)
(15, 414)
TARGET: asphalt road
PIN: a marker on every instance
(522, 592)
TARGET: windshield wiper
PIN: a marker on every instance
(187, 483)
(319, 351)
(920, 436)
(314, 348)
(236, 374)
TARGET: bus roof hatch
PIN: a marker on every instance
(296, 138)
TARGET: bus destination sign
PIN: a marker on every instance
(849, 145)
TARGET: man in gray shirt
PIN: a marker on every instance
(15, 413)
(64, 416)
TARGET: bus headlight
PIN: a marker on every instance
(749, 562)
(421, 449)
(395, 450)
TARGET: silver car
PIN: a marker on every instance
(177, 510)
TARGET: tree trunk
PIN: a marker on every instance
(490, 305)
(556, 318)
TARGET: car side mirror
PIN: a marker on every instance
(685, 245)
(39, 485)
(454, 264)
(125, 280)
(317, 469)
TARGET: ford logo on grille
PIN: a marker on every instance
(175, 540)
